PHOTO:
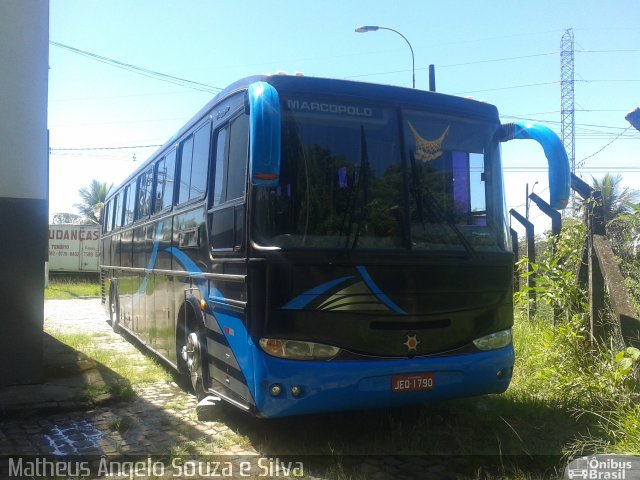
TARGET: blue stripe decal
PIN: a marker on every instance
(303, 300)
(377, 292)
(152, 260)
(185, 261)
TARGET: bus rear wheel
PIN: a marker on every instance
(114, 313)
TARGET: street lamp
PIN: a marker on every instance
(373, 28)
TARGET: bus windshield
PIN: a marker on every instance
(365, 176)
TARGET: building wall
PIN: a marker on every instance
(24, 165)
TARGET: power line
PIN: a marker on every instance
(493, 60)
(609, 80)
(526, 117)
(183, 82)
(632, 50)
(597, 152)
(507, 88)
(85, 149)
(452, 65)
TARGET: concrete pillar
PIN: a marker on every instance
(24, 173)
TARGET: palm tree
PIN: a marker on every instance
(93, 200)
(616, 200)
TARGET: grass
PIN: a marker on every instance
(64, 288)
(563, 401)
(121, 424)
(142, 370)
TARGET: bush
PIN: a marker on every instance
(601, 383)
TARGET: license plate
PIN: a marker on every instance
(412, 383)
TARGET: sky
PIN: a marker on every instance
(504, 52)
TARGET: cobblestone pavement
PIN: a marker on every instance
(160, 420)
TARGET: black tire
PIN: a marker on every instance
(114, 310)
(192, 359)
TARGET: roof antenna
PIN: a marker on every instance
(432, 78)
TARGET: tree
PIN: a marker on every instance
(93, 200)
(67, 218)
(616, 200)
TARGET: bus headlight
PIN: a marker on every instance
(494, 340)
(298, 350)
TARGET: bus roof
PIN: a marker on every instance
(383, 94)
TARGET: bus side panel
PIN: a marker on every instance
(164, 339)
(105, 286)
(229, 359)
(127, 281)
(189, 243)
(106, 248)
(163, 334)
(149, 289)
(189, 254)
(115, 250)
(138, 287)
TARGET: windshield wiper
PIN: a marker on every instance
(440, 214)
(443, 218)
(364, 177)
(361, 179)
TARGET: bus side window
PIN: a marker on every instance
(220, 171)
(145, 186)
(125, 198)
(117, 220)
(238, 151)
(164, 173)
(227, 223)
(186, 153)
(130, 203)
(106, 217)
(200, 163)
(231, 166)
(194, 160)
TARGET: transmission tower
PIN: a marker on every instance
(567, 97)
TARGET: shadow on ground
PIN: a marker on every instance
(84, 408)
(490, 436)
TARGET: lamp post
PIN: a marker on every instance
(373, 28)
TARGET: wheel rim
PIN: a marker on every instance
(191, 353)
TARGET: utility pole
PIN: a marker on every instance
(567, 97)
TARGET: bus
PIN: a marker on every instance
(308, 245)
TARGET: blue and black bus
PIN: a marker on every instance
(305, 245)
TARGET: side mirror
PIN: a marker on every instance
(559, 170)
(265, 135)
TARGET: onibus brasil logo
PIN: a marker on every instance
(603, 467)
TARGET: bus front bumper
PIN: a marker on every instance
(293, 387)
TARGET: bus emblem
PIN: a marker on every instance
(427, 150)
(412, 342)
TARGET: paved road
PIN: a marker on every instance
(161, 420)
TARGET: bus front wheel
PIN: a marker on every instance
(192, 354)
